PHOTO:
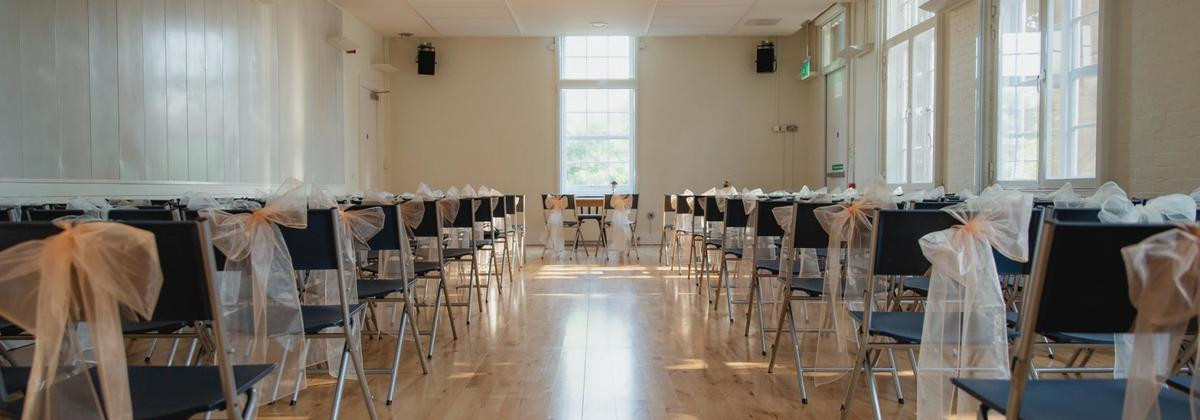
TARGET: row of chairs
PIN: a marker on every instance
(576, 217)
(315, 248)
(900, 272)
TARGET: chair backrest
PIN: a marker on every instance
(735, 214)
(570, 201)
(710, 210)
(697, 208)
(931, 205)
(521, 203)
(1080, 283)
(896, 250)
(1077, 215)
(183, 253)
(487, 208)
(314, 247)
(681, 204)
(466, 214)
(158, 213)
(8, 215)
(430, 226)
(501, 206)
(388, 237)
(668, 206)
(46, 215)
(510, 205)
(633, 201)
(808, 230)
(1006, 266)
(765, 224)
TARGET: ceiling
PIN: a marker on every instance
(455, 18)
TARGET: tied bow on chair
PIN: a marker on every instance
(848, 224)
(258, 288)
(1164, 286)
(90, 272)
(553, 237)
(622, 205)
(964, 332)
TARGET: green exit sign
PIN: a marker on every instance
(806, 68)
(838, 167)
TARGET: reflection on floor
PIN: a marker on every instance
(590, 339)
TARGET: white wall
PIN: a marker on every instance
(1156, 97)
(490, 117)
(156, 97)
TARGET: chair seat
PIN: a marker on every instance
(1081, 338)
(918, 285)
(773, 266)
(160, 327)
(376, 289)
(319, 317)
(595, 217)
(813, 286)
(422, 268)
(905, 327)
(669, 226)
(1181, 382)
(570, 223)
(457, 253)
(162, 392)
(151, 327)
(1087, 399)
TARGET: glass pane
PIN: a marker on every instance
(618, 124)
(1086, 100)
(575, 123)
(1088, 40)
(922, 119)
(1018, 99)
(618, 46)
(574, 68)
(618, 100)
(597, 100)
(597, 68)
(904, 14)
(897, 110)
(597, 124)
(575, 46)
(575, 100)
(597, 46)
(618, 68)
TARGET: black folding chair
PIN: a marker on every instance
(667, 226)
(159, 214)
(519, 225)
(318, 247)
(1077, 215)
(430, 229)
(895, 253)
(46, 215)
(378, 290)
(184, 252)
(684, 213)
(732, 244)
(607, 223)
(766, 228)
(1078, 268)
(572, 223)
(8, 214)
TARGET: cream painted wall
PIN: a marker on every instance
(490, 116)
(357, 73)
(1156, 97)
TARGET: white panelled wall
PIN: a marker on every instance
(153, 92)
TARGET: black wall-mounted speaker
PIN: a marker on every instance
(426, 59)
(764, 61)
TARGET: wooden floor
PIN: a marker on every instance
(591, 339)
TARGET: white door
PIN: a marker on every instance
(836, 143)
(369, 150)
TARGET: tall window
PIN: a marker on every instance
(909, 67)
(1048, 91)
(596, 114)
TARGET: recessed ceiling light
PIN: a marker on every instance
(599, 24)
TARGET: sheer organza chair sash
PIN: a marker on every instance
(965, 332)
(90, 271)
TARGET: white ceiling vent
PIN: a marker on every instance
(762, 21)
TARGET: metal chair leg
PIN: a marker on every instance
(300, 376)
(341, 382)
(796, 354)
(360, 372)
(895, 376)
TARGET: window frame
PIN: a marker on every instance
(564, 85)
(1046, 97)
(909, 36)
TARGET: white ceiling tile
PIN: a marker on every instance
(705, 2)
(726, 21)
(735, 11)
(456, 3)
(454, 23)
(463, 12)
(687, 31)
